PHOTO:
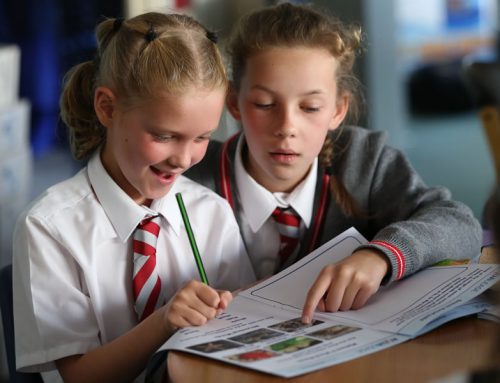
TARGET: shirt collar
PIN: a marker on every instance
(258, 203)
(167, 206)
(123, 212)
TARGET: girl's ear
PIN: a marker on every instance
(340, 112)
(232, 103)
(104, 105)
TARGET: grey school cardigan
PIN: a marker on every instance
(412, 224)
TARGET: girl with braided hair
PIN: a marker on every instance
(298, 175)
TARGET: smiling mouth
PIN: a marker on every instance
(164, 175)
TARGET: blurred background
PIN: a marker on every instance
(412, 72)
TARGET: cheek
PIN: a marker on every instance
(198, 153)
(257, 148)
(144, 152)
(318, 147)
(255, 132)
(126, 141)
(317, 140)
(253, 121)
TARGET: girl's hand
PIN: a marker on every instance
(194, 305)
(346, 285)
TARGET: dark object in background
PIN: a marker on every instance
(6, 306)
(439, 88)
(53, 35)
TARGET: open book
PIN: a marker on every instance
(262, 330)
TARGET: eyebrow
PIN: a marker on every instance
(309, 93)
(159, 131)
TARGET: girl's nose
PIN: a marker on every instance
(181, 157)
(286, 124)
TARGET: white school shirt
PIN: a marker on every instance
(73, 261)
(257, 225)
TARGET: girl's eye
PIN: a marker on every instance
(263, 106)
(162, 137)
(202, 138)
(310, 109)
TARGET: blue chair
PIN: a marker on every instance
(6, 306)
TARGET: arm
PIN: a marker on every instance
(127, 356)
(411, 225)
(417, 225)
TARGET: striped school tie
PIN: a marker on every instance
(289, 229)
(146, 281)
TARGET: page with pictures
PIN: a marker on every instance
(403, 307)
(262, 330)
(257, 336)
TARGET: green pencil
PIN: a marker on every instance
(192, 240)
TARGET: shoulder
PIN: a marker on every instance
(67, 196)
(357, 144)
(363, 154)
(359, 138)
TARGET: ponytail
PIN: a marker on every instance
(77, 111)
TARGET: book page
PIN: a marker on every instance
(403, 307)
(262, 328)
(257, 336)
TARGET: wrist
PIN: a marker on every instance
(165, 325)
(379, 259)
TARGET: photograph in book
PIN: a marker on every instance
(262, 330)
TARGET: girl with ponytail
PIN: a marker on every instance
(102, 264)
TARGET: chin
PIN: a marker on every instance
(284, 176)
(158, 193)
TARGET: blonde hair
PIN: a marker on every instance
(138, 59)
(288, 25)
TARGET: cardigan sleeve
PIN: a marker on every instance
(414, 225)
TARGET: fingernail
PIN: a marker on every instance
(305, 319)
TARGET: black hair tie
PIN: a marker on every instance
(329, 170)
(117, 24)
(212, 36)
(151, 34)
